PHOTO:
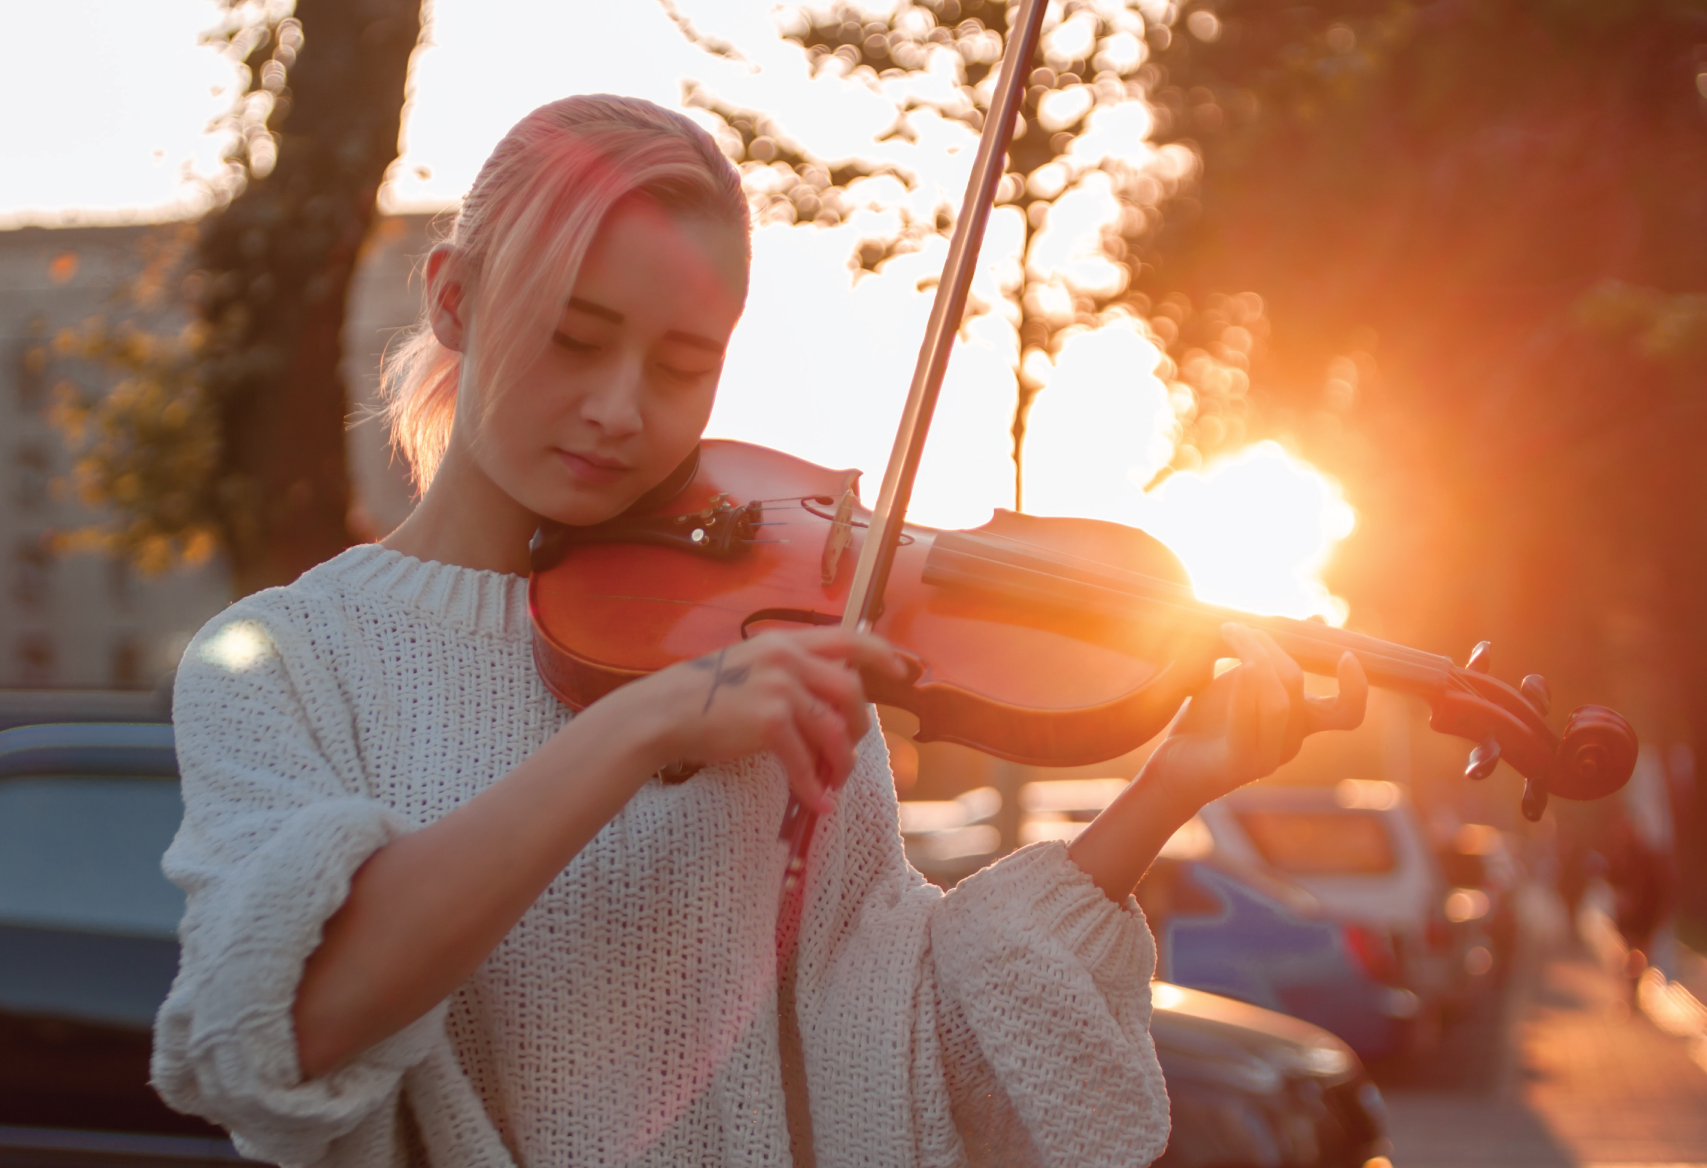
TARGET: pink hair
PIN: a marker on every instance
(521, 235)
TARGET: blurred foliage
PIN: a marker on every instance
(1471, 236)
(146, 451)
(1453, 252)
(233, 430)
(1670, 329)
(1494, 213)
(1492, 217)
(1092, 54)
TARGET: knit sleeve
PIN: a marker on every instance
(1012, 1014)
(1052, 981)
(275, 825)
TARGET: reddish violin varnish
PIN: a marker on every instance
(1056, 642)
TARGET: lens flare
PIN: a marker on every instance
(1254, 529)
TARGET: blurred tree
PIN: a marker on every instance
(1480, 230)
(1479, 236)
(1081, 137)
(233, 433)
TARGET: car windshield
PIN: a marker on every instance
(1321, 843)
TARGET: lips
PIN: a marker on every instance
(592, 469)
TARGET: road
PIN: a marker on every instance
(1556, 1071)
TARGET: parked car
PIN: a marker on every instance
(1357, 846)
(1480, 863)
(1262, 940)
(88, 946)
(1240, 931)
(1248, 1087)
(36, 707)
(88, 951)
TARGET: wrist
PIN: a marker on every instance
(1168, 787)
(633, 728)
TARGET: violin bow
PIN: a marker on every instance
(877, 553)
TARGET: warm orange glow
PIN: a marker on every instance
(822, 362)
(1254, 529)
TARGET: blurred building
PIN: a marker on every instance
(91, 620)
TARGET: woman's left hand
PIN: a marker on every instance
(1251, 719)
(1242, 726)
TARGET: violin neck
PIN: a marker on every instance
(1318, 647)
(1030, 574)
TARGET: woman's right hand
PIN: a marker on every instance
(796, 694)
(428, 907)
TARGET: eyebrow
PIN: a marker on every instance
(693, 340)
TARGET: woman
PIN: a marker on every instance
(433, 918)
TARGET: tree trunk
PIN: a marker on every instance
(277, 263)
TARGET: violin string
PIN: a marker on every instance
(1398, 664)
(1144, 587)
(1141, 580)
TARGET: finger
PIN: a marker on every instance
(829, 679)
(840, 687)
(1291, 675)
(1345, 710)
(1271, 705)
(1242, 732)
(1180, 717)
(861, 650)
(821, 727)
(799, 760)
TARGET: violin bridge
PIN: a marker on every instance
(840, 536)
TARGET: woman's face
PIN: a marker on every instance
(622, 392)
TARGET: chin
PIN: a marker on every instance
(582, 506)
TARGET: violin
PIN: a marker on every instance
(1049, 641)
(1046, 641)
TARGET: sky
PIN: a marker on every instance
(112, 100)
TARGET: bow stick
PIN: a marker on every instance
(877, 554)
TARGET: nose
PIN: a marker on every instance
(613, 406)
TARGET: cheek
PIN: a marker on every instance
(678, 420)
(518, 426)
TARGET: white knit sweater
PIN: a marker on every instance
(630, 1017)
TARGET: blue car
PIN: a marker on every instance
(1246, 935)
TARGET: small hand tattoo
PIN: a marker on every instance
(720, 676)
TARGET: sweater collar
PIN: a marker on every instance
(471, 599)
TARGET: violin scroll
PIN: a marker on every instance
(1595, 756)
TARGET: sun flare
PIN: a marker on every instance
(1255, 529)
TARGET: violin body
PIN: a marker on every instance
(1054, 642)
(1023, 681)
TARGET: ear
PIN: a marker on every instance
(446, 297)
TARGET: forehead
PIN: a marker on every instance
(658, 268)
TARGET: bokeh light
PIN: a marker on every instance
(822, 362)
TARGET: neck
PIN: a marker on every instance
(465, 519)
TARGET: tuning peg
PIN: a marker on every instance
(1483, 759)
(1478, 662)
(1540, 695)
(1534, 799)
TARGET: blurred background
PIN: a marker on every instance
(1384, 312)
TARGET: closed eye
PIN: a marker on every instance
(572, 344)
(681, 374)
